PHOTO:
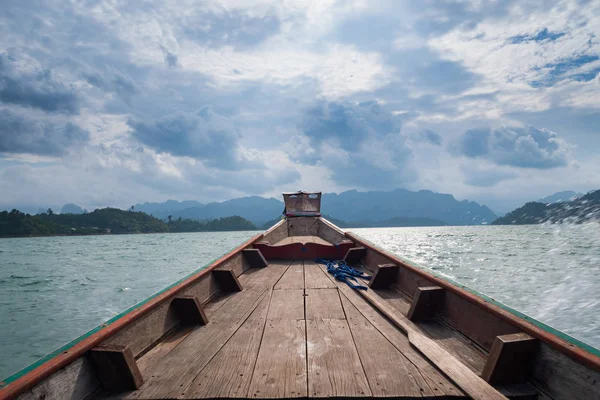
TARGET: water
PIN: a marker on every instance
(54, 289)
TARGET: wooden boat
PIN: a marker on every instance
(267, 321)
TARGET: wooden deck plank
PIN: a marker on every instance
(466, 379)
(448, 337)
(229, 373)
(385, 367)
(424, 372)
(323, 304)
(280, 370)
(162, 349)
(287, 304)
(293, 277)
(167, 378)
(334, 368)
(315, 278)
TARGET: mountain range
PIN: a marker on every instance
(560, 197)
(580, 209)
(356, 208)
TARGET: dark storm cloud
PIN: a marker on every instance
(359, 143)
(203, 135)
(36, 90)
(527, 147)
(25, 134)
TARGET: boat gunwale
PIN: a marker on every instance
(41, 369)
(561, 341)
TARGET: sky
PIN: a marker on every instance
(120, 102)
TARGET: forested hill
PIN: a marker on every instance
(582, 209)
(107, 221)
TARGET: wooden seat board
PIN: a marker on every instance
(315, 278)
(334, 367)
(293, 277)
(450, 339)
(323, 304)
(229, 373)
(168, 378)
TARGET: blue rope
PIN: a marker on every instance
(345, 273)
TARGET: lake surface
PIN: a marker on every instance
(54, 289)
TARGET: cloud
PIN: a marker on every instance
(20, 133)
(203, 135)
(539, 36)
(113, 82)
(524, 147)
(35, 89)
(487, 176)
(235, 28)
(359, 143)
(428, 136)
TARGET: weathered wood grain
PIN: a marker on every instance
(562, 378)
(76, 381)
(511, 359)
(334, 368)
(426, 301)
(276, 232)
(229, 373)
(189, 310)
(444, 334)
(293, 277)
(468, 381)
(303, 226)
(384, 276)
(167, 378)
(287, 304)
(354, 255)
(425, 373)
(228, 281)
(315, 278)
(385, 367)
(329, 232)
(323, 304)
(116, 368)
(146, 361)
(280, 370)
(144, 333)
(255, 258)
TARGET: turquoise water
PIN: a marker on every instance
(54, 289)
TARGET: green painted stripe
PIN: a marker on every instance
(541, 325)
(72, 343)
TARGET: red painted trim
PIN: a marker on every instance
(37, 375)
(300, 251)
(561, 345)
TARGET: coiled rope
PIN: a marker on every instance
(345, 273)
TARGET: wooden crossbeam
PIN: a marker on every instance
(116, 368)
(354, 255)
(384, 275)
(511, 359)
(227, 280)
(255, 258)
(189, 310)
(425, 302)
